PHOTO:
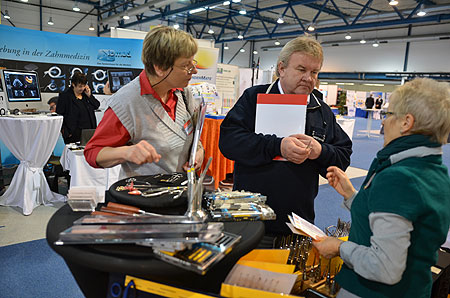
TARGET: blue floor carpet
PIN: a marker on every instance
(33, 269)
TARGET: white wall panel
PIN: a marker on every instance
(387, 57)
(430, 56)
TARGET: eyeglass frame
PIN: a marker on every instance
(386, 113)
(189, 70)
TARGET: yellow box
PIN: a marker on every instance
(241, 292)
(279, 256)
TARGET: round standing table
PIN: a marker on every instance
(31, 139)
(91, 264)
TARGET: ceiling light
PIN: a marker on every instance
(242, 11)
(393, 2)
(421, 11)
(75, 7)
(126, 17)
(226, 2)
(242, 50)
(350, 84)
(240, 36)
(277, 42)
(91, 27)
(363, 41)
(200, 9)
(210, 31)
(280, 20)
(50, 21)
(370, 84)
(226, 47)
(24, 1)
(348, 36)
(375, 44)
(311, 28)
(6, 15)
(176, 26)
(236, 1)
(255, 52)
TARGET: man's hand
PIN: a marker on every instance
(141, 153)
(316, 147)
(328, 246)
(294, 150)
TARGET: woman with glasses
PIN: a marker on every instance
(401, 214)
(148, 126)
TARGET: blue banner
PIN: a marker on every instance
(57, 48)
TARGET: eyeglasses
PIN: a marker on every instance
(191, 69)
(386, 113)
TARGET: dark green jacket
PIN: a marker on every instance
(407, 180)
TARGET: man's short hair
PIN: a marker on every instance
(302, 44)
(163, 45)
(54, 100)
(78, 78)
(429, 102)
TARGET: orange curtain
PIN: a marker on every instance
(220, 165)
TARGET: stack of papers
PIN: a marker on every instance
(261, 269)
(83, 198)
(301, 226)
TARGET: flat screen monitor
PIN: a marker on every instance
(21, 89)
(119, 78)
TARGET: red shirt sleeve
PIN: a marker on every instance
(109, 133)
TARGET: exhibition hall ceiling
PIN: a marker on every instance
(227, 21)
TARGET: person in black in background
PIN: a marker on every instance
(291, 185)
(370, 101)
(77, 106)
(378, 102)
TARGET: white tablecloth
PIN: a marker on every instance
(348, 125)
(31, 140)
(82, 174)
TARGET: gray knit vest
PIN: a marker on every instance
(145, 119)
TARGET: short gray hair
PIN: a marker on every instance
(163, 45)
(303, 44)
(429, 102)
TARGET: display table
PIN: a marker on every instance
(91, 264)
(220, 165)
(30, 139)
(369, 121)
(82, 174)
(348, 125)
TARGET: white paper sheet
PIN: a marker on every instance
(281, 114)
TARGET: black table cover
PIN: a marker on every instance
(91, 264)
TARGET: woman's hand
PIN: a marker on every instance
(107, 89)
(141, 153)
(87, 90)
(328, 246)
(199, 156)
(340, 182)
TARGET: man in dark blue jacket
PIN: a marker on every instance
(292, 185)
